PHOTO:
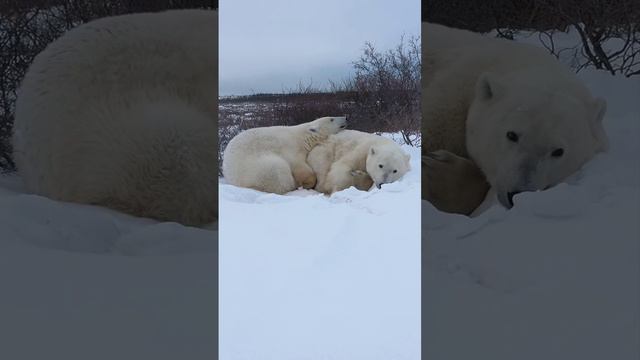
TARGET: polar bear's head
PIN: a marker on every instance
(526, 138)
(329, 125)
(386, 164)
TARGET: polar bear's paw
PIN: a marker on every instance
(361, 180)
(452, 183)
(304, 176)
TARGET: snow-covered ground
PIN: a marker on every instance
(307, 276)
(556, 277)
(82, 282)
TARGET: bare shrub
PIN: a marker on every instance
(616, 26)
(387, 87)
(615, 23)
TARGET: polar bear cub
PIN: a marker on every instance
(121, 112)
(274, 159)
(354, 158)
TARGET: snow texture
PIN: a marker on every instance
(307, 276)
(83, 282)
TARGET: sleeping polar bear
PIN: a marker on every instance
(121, 112)
(502, 115)
(274, 159)
(355, 158)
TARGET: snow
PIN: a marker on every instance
(556, 277)
(307, 276)
(83, 282)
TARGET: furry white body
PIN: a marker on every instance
(121, 112)
(343, 160)
(477, 89)
(274, 159)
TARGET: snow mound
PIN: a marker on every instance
(84, 282)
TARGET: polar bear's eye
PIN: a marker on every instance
(395, 171)
(557, 153)
(512, 136)
(331, 120)
(380, 166)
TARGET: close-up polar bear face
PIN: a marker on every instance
(527, 139)
(329, 125)
(386, 164)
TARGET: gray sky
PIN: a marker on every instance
(268, 46)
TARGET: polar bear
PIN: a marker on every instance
(354, 158)
(121, 112)
(502, 115)
(274, 159)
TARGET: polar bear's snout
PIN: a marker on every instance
(341, 121)
(506, 198)
(522, 183)
(329, 125)
(524, 171)
(510, 196)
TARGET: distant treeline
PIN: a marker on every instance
(278, 97)
(28, 26)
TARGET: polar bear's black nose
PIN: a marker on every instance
(511, 195)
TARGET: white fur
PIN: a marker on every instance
(121, 112)
(335, 160)
(274, 159)
(479, 88)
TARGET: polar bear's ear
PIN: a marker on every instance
(488, 87)
(599, 108)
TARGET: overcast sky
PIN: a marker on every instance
(268, 46)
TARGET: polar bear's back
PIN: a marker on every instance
(356, 144)
(112, 97)
(461, 56)
(350, 138)
(82, 84)
(275, 139)
(446, 46)
(441, 37)
(114, 58)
